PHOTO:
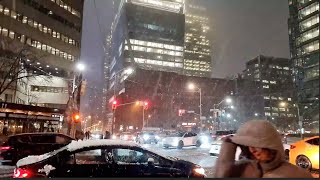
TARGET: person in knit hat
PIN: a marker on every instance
(263, 150)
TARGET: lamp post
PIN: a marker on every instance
(192, 87)
(227, 100)
(76, 77)
(284, 104)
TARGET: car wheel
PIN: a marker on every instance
(198, 143)
(180, 145)
(303, 162)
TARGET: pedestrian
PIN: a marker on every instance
(107, 135)
(5, 130)
(264, 154)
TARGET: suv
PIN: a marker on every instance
(23, 145)
(147, 138)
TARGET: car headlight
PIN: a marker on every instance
(146, 137)
(157, 137)
(199, 171)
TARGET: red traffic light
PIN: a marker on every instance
(114, 105)
(145, 104)
(76, 117)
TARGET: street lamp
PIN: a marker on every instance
(228, 100)
(256, 114)
(80, 67)
(228, 115)
(191, 86)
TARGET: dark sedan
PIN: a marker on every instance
(104, 158)
(23, 145)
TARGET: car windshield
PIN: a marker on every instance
(148, 133)
(177, 134)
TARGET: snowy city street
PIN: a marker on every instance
(196, 155)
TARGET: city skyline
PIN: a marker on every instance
(256, 27)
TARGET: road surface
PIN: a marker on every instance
(198, 156)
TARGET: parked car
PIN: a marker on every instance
(147, 138)
(216, 145)
(305, 153)
(22, 145)
(127, 136)
(181, 139)
(104, 158)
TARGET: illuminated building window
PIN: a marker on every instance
(309, 22)
(309, 9)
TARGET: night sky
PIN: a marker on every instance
(241, 29)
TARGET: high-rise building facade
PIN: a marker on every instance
(197, 49)
(148, 35)
(50, 30)
(266, 91)
(304, 52)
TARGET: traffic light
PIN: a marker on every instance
(145, 105)
(114, 105)
(76, 117)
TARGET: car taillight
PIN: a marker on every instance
(21, 173)
(292, 146)
(5, 148)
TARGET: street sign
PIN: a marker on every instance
(190, 112)
(202, 118)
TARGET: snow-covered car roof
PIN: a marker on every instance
(77, 145)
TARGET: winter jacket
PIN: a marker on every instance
(259, 134)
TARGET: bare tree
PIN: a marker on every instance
(14, 66)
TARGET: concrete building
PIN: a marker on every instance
(50, 31)
(266, 91)
(304, 52)
(197, 49)
(43, 38)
